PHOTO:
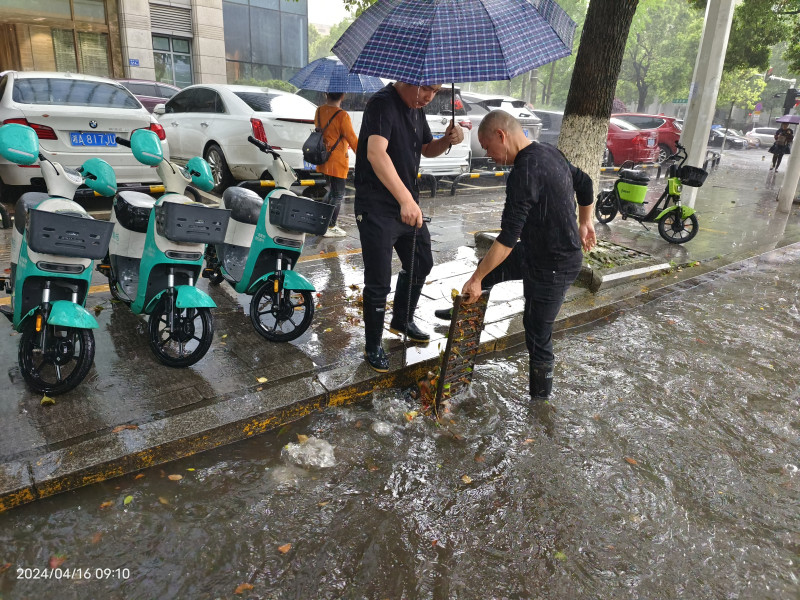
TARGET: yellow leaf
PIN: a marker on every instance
(224, 336)
(410, 415)
(47, 400)
(528, 441)
(454, 293)
(107, 504)
(163, 501)
(323, 503)
(261, 379)
(285, 548)
(174, 477)
(190, 469)
(302, 439)
(466, 479)
(128, 500)
(631, 461)
(327, 329)
(242, 588)
(139, 476)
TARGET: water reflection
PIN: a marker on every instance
(665, 467)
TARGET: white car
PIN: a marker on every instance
(76, 118)
(215, 120)
(438, 113)
(764, 135)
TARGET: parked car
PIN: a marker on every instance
(669, 131)
(626, 142)
(439, 112)
(150, 93)
(751, 142)
(716, 137)
(764, 135)
(521, 110)
(551, 125)
(76, 117)
(215, 120)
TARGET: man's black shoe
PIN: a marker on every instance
(415, 334)
(445, 314)
(377, 359)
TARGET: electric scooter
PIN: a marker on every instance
(52, 248)
(156, 254)
(261, 248)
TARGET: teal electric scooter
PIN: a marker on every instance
(156, 254)
(53, 245)
(261, 248)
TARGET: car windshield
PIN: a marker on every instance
(623, 124)
(72, 92)
(287, 105)
(258, 101)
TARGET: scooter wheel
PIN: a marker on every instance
(5, 219)
(605, 209)
(677, 229)
(281, 321)
(187, 342)
(215, 277)
(62, 364)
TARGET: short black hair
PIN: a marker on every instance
(334, 96)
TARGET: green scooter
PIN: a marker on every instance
(156, 254)
(53, 245)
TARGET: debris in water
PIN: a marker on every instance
(313, 452)
(382, 428)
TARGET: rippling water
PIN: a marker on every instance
(665, 467)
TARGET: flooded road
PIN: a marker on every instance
(665, 467)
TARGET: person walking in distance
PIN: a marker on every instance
(540, 239)
(781, 146)
(394, 134)
(336, 167)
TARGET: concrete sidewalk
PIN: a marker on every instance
(131, 412)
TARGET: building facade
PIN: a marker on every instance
(174, 41)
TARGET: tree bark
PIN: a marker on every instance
(594, 81)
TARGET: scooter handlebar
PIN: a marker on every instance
(266, 148)
(123, 142)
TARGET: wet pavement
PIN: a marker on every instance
(131, 412)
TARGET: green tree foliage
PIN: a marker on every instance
(321, 46)
(275, 84)
(741, 87)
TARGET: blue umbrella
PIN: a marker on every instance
(426, 42)
(330, 75)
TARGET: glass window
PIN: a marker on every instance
(271, 4)
(204, 101)
(64, 46)
(41, 8)
(236, 22)
(180, 102)
(3, 82)
(69, 92)
(258, 101)
(89, 10)
(94, 53)
(183, 69)
(142, 89)
(173, 60)
(294, 42)
(265, 36)
(290, 6)
(160, 43)
(264, 72)
(165, 91)
(180, 46)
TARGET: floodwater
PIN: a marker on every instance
(666, 466)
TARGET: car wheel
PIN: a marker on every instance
(219, 168)
(663, 152)
(608, 158)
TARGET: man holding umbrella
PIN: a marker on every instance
(394, 134)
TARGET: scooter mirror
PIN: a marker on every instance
(19, 144)
(146, 147)
(99, 176)
(202, 178)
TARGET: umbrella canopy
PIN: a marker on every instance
(788, 119)
(428, 42)
(330, 75)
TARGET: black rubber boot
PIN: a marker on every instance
(403, 308)
(541, 380)
(373, 330)
(445, 314)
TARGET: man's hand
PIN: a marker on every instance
(588, 238)
(471, 290)
(454, 133)
(411, 214)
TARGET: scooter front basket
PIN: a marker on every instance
(692, 176)
(297, 213)
(67, 235)
(192, 223)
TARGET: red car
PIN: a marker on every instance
(627, 142)
(669, 131)
(150, 93)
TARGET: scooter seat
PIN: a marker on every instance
(634, 176)
(245, 205)
(133, 210)
(27, 201)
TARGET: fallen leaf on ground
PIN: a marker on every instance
(57, 560)
(163, 501)
(327, 329)
(119, 428)
(190, 469)
(175, 477)
(139, 476)
(97, 537)
(98, 309)
(285, 548)
(107, 504)
(224, 336)
(128, 500)
(5, 567)
(410, 415)
(323, 503)
(242, 588)
(261, 379)
(466, 479)
(46, 400)
(560, 556)
(528, 441)
(631, 461)
(301, 439)
(479, 458)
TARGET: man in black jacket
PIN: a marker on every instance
(394, 134)
(540, 241)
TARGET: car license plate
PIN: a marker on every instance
(526, 132)
(93, 138)
(651, 142)
(309, 167)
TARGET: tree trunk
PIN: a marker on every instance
(534, 79)
(642, 97)
(594, 81)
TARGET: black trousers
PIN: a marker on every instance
(336, 189)
(544, 291)
(379, 236)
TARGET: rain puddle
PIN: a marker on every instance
(666, 467)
